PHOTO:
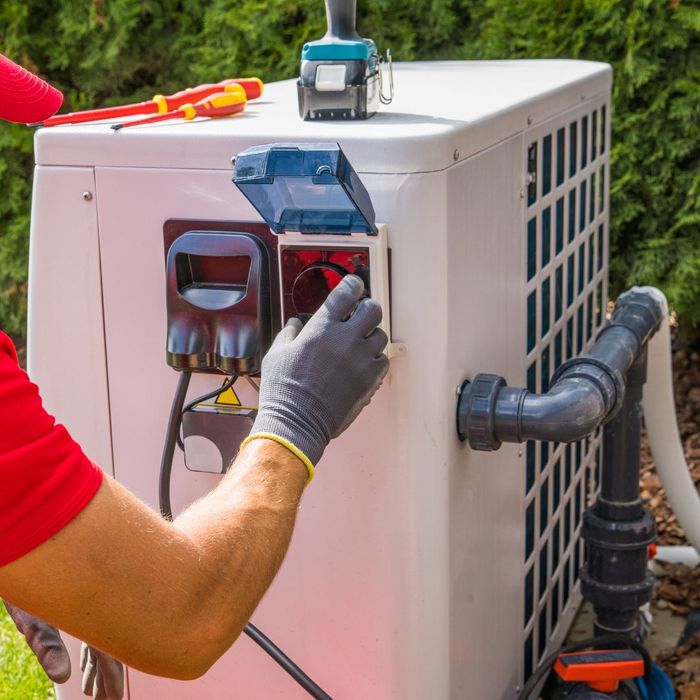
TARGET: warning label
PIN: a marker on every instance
(228, 398)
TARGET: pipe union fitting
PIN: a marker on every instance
(476, 410)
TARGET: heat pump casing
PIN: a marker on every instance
(418, 568)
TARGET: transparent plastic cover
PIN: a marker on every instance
(311, 188)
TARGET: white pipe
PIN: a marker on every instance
(660, 419)
(678, 555)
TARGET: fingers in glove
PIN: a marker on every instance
(84, 654)
(103, 676)
(99, 691)
(375, 342)
(367, 316)
(111, 678)
(288, 333)
(89, 673)
(343, 299)
(45, 641)
(382, 364)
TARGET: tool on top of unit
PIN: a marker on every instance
(222, 104)
(341, 74)
(160, 104)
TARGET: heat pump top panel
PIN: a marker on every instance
(442, 112)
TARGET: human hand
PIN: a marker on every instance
(103, 676)
(316, 378)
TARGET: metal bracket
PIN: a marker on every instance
(382, 97)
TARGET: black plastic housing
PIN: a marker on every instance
(218, 302)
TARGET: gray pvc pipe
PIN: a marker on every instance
(573, 409)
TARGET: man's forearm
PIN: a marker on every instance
(178, 594)
(242, 530)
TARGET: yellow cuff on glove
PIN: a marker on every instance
(285, 443)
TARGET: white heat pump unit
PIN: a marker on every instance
(419, 568)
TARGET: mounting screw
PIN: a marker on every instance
(520, 453)
(455, 155)
(87, 196)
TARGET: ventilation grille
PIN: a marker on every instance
(565, 274)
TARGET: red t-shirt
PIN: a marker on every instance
(45, 478)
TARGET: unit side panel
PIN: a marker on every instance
(364, 585)
(485, 529)
(564, 235)
(66, 353)
(417, 429)
(65, 350)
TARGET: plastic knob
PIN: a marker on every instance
(313, 284)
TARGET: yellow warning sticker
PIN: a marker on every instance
(228, 398)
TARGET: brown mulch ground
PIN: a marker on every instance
(678, 586)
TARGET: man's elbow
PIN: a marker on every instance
(189, 653)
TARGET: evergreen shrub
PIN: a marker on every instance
(102, 52)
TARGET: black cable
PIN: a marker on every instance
(171, 435)
(166, 467)
(209, 395)
(286, 663)
(604, 640)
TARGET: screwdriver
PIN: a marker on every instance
(222, 104)
(160, 104)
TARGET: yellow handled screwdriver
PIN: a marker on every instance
(222, 104)
(160, 104)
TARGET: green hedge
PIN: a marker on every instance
(101, 52)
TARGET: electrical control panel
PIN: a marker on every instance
(312, 198)
(311, 266)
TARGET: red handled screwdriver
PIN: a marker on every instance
(160, 104)
(223, 104)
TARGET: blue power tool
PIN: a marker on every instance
(341, 74)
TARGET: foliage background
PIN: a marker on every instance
(102, 52)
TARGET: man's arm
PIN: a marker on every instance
(170, 598)
(166, 598)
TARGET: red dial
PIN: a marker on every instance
(314, 284)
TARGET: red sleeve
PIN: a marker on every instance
(45, 478)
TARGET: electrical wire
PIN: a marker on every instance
(171, 435)
(205, 397)
(605, 640)
(166, 465)
(286, 663)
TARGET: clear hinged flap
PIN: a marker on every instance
(305, 187)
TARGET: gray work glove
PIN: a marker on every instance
(316, 378)
(103, 676)
(45, 641)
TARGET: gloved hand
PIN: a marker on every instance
(45, 641)
(103, 676)
(316, 378)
